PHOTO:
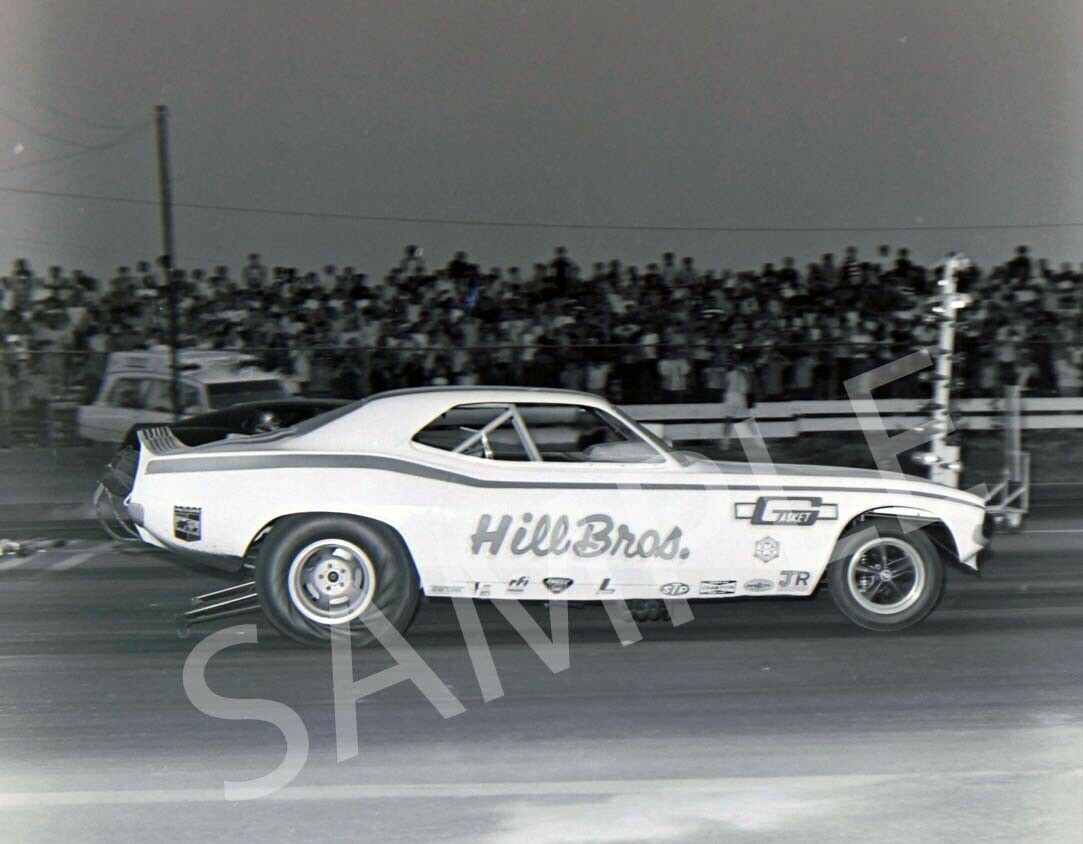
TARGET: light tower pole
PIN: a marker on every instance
(165, 199)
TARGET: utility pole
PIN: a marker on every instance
(165, 198)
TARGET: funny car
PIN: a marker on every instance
(514, 493)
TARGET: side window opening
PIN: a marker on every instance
(494, 432)
(555, 433)
(126, 393)
(156, 395)
(159, 396)
(578, 434)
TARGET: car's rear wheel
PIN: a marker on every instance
(884, 577)
(320, 572)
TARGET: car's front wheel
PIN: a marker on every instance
(324, 571)
(884, 577)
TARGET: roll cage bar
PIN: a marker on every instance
(482, 435)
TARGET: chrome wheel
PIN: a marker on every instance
(886, 575)
(331, 581)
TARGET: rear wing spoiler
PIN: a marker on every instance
(159, 441)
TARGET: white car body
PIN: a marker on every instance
(137, 388)
(653, 523)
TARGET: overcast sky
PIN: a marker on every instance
(767, 114)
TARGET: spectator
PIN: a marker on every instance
(412, 265)
(804, 369)
(459, 268)
(714, 377)
(1019, 267)
(562, 271)
(1008, 338)
(254, 274)
(772, 370)
(735, 397)
(806, 332)
(1068, 376)
(850, 271)
(674, 370)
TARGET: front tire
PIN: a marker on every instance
(885, 578)
(327, 571)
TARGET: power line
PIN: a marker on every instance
(69, 156)
(103, 252)
(41, 133)
(68, 246)
(525, 224)
(56, 110)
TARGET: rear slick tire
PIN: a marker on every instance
(323, 572)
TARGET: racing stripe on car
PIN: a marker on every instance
(238, 463)
(352, 461)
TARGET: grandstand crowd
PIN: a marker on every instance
(667, 331)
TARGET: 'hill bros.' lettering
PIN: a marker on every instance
(592, 536)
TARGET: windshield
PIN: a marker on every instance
(644, 431)
(228, 393)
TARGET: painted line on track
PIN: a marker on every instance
(573, 788)
(80, 558)
(45, 558)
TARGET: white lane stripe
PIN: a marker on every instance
(1053, 530)
(573, 788)
(78, 559)
(41, 557)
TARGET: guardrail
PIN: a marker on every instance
(703, 421)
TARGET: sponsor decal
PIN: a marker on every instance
(793, 580)
(674, 589)
(483, 590)
(595, 535)
(187, 522)
(793, 510)
(556, 585)
(605, 588)
(717, 587)
(445, 590)
(519, 584)
(759, 585)
(766, 549)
